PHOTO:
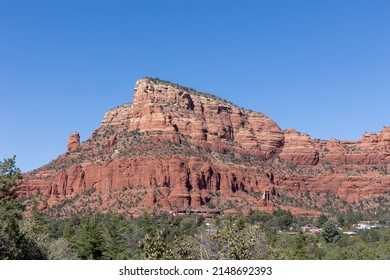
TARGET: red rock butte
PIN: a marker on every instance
(176, 149)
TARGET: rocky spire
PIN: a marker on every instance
(73, 142)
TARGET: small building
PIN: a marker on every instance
(311, 229)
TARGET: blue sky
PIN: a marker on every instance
(322, 67)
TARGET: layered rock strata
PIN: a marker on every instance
(174, 148)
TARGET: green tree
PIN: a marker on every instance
(155, 246)
(321, 220)
(9, 177)
(341, 219)
(113, 237)
(234, 242)
(347, 219)
(284, 219)
(59, 249)
(300, 247)
(330, 232)
(89, 240)
(188, 248)
(12, 241)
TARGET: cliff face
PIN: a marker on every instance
(174, 148)
(206, 120)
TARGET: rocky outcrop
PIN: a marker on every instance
(174, 148)
(370, 149)
(299, 148)
(73, 142)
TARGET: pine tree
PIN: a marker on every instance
(89, 240)
(9, 176)
(113, 232)
(12, 241)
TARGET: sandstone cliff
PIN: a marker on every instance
(174, 149)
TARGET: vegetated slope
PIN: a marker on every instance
(176, 149)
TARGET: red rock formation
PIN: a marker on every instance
(299, 148)
(73, 142)
(207, 120)
(174, 148)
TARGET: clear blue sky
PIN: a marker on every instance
(322, 67)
